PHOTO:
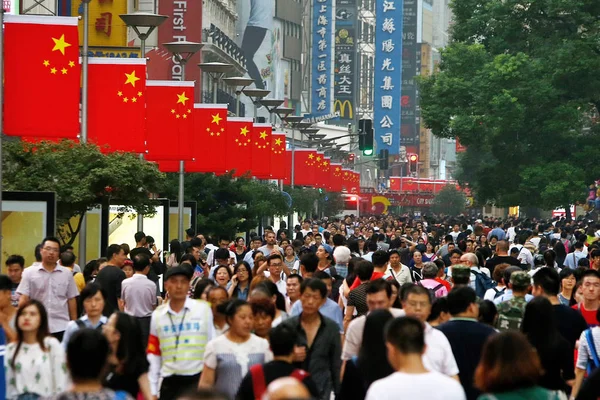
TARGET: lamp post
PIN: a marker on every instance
(256, 95)
(143, 20)
(136, 21)
(240, 83)
(271, 105)
(182, 51)
(216, 71)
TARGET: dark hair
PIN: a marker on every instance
(269, 286)
(487, 312)
(282, 339)
(380, 258)
(200, 287)
(364, 270)
(508, 272)
(90, 290)
(130, 351)
(439, 306)
(416, 290)
(314, 284)
(406, 334)
(89, 269)
(263, 306)
(371, 245)
(338, 239)
(125, 248)
(42, 332)
(140, 262)
(591, 273)
(150, 240)
(230, 308)
(379, 285)
(67, 259)
(540, 326)
(190, 232)
(508, 363)
(322, 275)
(87, 355)
(175, 248)
(38, 253)
(139, 236)
(295, 276)
(221, 254)
(226, 267)
(50, 239)
(310, 261)
(547, 279)
(372, 356)
(274, 257)
(248, 268)
(112, 250)
(15, 259)
(188, 257)
(460, 298)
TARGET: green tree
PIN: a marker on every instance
(82, 177)
(226, 205)
(306, 201)
(449, 201)
(519, 87)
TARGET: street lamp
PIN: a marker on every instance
(271, 105)
(256, 95)
(216, 71)
(143, 20)
(240, 83)
(182, 51)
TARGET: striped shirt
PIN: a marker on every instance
(178, 340)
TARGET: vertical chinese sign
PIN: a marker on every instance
(322, 58)
(388, 75)
(345, 59)
(411, 67)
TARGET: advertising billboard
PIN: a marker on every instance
(388, 74)
(411, 67)
(321, 96)
(345, 60)
(107, 29)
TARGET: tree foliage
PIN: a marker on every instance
(519, 86)
(225, 205)
(82, 177)
(449, 201)
(307, 201)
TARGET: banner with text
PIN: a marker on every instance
(411, 67)
(322, 58)
(345, 60)
(388, 75)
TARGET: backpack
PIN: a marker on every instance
(510, 314)
(259, 384)
(482, 283)
(594, 362)
(498, 293)
(431, 291)
(81, 325)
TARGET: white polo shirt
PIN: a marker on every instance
(438, 354)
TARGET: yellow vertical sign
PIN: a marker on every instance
(106, 28)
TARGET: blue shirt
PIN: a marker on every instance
(330, 310)
(508, 294)
(72, 327)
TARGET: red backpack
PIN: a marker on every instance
(260, 385)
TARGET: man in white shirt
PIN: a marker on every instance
(223, 244)
(138, 294)
(396, 270)
(438, 354)
(405, 341)
(524, 255)
(471, 261)
(573, 258)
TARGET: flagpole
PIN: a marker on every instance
(84, 117)
(1, 111)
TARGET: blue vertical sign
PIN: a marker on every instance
(388, 75)
(322, 58)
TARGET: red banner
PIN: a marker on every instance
(239, 145)
(278, 156)
(117, 107)
(41, 76)
(169, 120)
(395, 183)
(210, 130)
(305, 167)
(261, 150)
(336, 183)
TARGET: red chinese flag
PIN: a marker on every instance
(117, 108)
(305, 171)
(41, 76)
(395, 183)
(168, 166)
(261, 151)
(278, 156)
(239, 145)
(169, 120)
(210, 129)
(355, 182)
(346, 179)
(336, 184)
(325, 173)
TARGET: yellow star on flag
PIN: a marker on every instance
(337, 169)
(189, 111)
(216, 119)
(181, 98)
(184, 116)
(263, 135)
(64, 71)
(173, 112)
(71, 64)
(278, 142)
(119, 93)
(53, 70)
(244, 131)
(134, 99)
(125, 100)
(311, 156)
(325, 163)
(139, 94)
(131, 78)
(318, 158)
(46, 63)
(177, 116)
(60, 44)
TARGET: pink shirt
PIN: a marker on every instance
(432, 283)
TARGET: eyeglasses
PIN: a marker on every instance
(51, 249)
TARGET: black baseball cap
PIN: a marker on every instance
(179, 270)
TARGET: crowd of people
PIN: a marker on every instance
(356, 308)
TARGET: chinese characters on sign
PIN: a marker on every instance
(345, 59)
(322, 52)
(388, 74)
(411, 60)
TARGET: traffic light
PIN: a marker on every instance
(351, 158)
(365, 136)
(384, 159)
(413, 159)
